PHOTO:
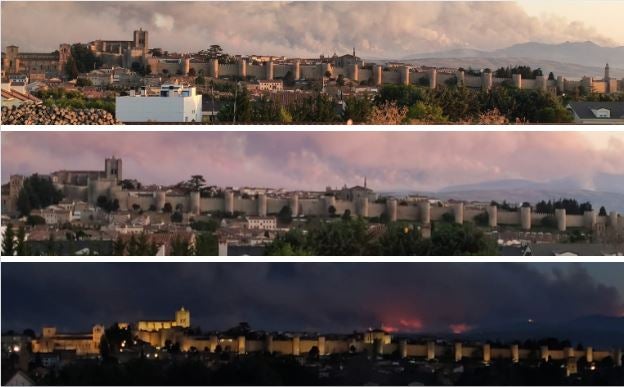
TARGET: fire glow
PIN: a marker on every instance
(460, 328)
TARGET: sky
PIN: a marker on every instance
(321, 297)
(418, 161)
(308, 29)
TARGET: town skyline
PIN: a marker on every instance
(294, 29)
(255, 293)
(314, 160)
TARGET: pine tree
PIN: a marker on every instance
(8, 241)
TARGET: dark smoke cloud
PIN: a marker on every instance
(376, 29)
(336, 297)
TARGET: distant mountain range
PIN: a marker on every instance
(600, 331)
(570, 59)
(601, 189)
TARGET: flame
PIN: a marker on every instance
(404, 325)
(460, 328)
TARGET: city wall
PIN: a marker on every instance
(262, 205)
(429, 350)
(371, 73)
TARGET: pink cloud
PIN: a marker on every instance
(312, 160)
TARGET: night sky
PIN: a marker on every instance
(327, 297)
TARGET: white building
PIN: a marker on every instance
(176, 103)
(261, 222)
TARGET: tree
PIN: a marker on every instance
(285, 215)
(357, 109)
(192, 72)
(214, 51)
(346, 216)
(34, 220)
(82, 82)
(602, 211)
(196, 182)
(332, 211)
(20, 247)
(389, 113)
(551, 76)
(167, 207)
(289, 79)
(177, 217)
(200, 80)
(71, 69)
(119, 246)
(340, 80)
(8, 241)
(180, 247)
(36, 193)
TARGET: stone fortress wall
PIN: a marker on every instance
(380, 75)
(107, 183)
(423, 212)
(375, 342)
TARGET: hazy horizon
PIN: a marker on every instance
(308, 29)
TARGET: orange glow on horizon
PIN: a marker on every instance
(460, 328)
(403, 325)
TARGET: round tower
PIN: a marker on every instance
(515, 353)
(186, 65)
(195, 202)
(433, 78)
(589, 354)
(425, 212)
(364, 207)
(461, 78)
(540, 82)
(296, 346)
(430, 350)
(294, 204)
(405, 75)
(487, 353)
(560, 84)
(355, 72)
(377, 347)
(229, 202)
(242, 69)
(613, 219)
(458, 212)
(269, 70)
(330, 201)
(262, 205)
(486, 80)
(403, 348)
(378, 75)
(240, 345)
(297, 72)
(492, 212)
(268, 344)
(525, 218)
(392, 210)
(607, 75)
(458, 351)
(517, 80)
(560, 214)
(590, 219)
(321, 345)
(160, 199)
(213, 69)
